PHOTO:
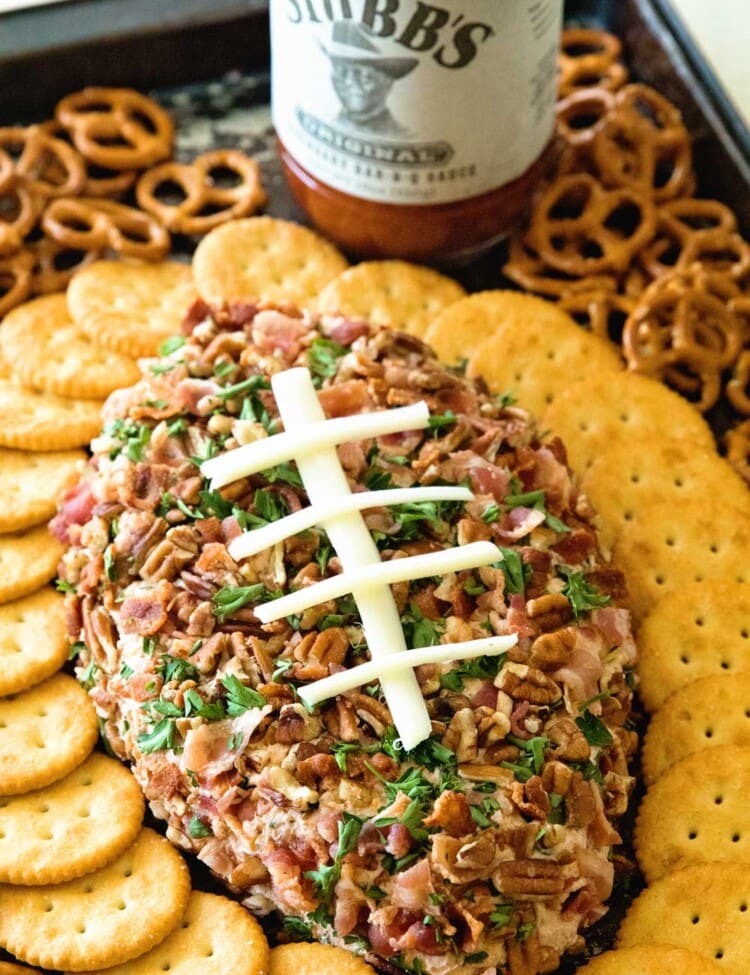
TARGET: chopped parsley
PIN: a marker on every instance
(198, 829)
(240, 698)
(439, 420)
(594, 730)
(323, 357)
(491, 513)
(536, 500)
(252, 384)
(62, 586)
(172, 344)
(581, 595)
(159, 738)
(517, 572)
(134, 437)
(531, 760)
(176, 668)
(325, 878)
(419, 630)
(231, 598)
(483, 668)
(286, 473)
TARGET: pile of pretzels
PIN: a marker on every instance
(99, 180)
(618, 238)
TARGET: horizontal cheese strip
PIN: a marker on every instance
(252, 542)
(309, 439)
(378, 574)
(347, 680)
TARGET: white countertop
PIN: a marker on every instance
(721, 30)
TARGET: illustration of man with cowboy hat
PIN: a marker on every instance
(362, 79)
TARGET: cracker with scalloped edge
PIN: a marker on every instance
(666, 546)
(705, 714)
(401, 295)
(31, 484)
(316, 959)
(45, 349)
(620, 407)
(72, 827)
(131, 308)
(28, 560)
(34, 420)
(535, 361)
(651, 959)
(106, 918)
(217, 935)
(703, 628)
(265, 258)
(463, 325)
(33, 639)
(704, 908)
(622, 482)
(44, 734)
(696, 812)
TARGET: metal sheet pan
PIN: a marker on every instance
(229, 40)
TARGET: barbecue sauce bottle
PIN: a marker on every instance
(414, 129)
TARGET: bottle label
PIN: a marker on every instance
(409, 102)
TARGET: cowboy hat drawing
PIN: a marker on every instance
(350, 44)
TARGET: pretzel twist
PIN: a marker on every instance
(117, 128)
(589, 58)
(19, 209)
(205, 203)
(88, 224)
(582, 228)
(643, 144)
(15, 280)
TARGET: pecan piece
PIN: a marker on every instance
(452, 813)
(552, 650)
(530, 878)
(524, 683)
(549, 611)
(316, 651)
(529, 957)
(570, 740)
(530, 798)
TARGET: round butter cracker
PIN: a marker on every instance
(217, 935)
(703, 908)
(40, 421)
(316, 959)
(701, 629)
(622, 481)
(705, 714)
(466, 323)
(44, 734)
(47, 350)
(264, 258)
(535, 361)
(665, 547)
(28, 560)
(71, 827)
(404, 296)
(32, 482)
(696, 812)
(103, 919)
(650, 960)
(131, 308)
(620, 407)
(33, 640)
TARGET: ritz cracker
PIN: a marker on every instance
(420, 131)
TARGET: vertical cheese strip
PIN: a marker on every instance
(324, 477)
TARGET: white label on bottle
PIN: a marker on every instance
(410, 102)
